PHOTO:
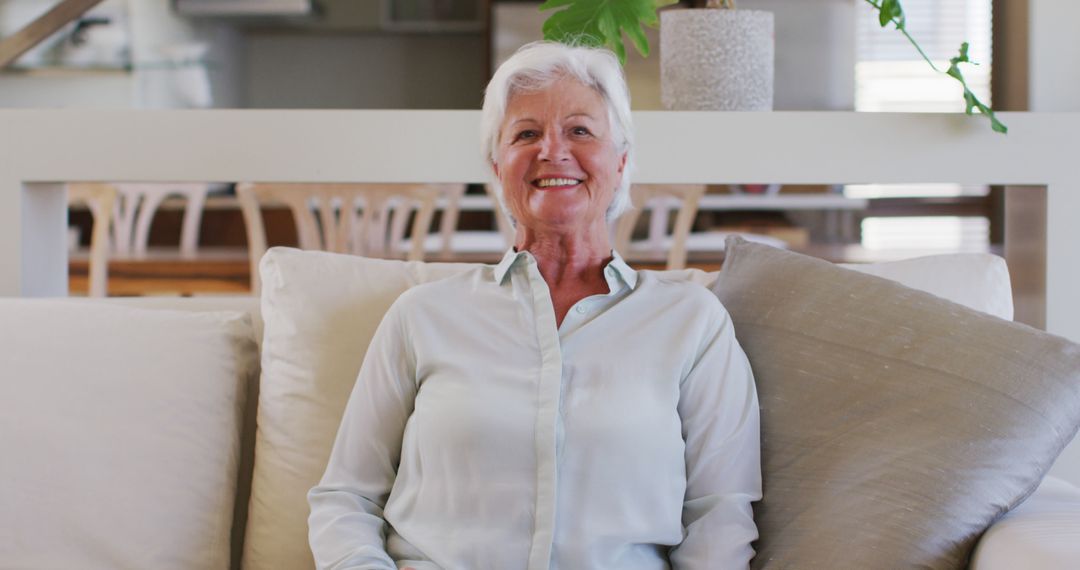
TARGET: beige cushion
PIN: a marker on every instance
(1042, 533)
(208, 303)
(320, 311)
(119, 434)
(976, 280)
(896, 426)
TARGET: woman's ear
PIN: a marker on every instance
(495, 169)
(622, 162)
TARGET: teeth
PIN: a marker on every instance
(547, 182)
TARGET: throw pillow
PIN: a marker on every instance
(896, 425)
(320, 311)
(120, 434)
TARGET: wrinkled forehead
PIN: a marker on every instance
(557, 96)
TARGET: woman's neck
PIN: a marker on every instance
(567, 259)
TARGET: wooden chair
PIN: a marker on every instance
(361, 219)
(451, 196)
(453, 242)
(449, 204)
(660, 200)
(502, 222)
(100, 198)
(136, 208)
(485, 241)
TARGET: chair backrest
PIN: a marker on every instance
(450, 199)
(100, 198)
(361, 219)
(502, 221)
(135, 208)
(660, 200)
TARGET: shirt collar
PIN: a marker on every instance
(617, 265)
(508, 260)
(626, 273)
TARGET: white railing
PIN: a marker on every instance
(39, 149)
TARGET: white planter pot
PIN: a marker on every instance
(716, 60)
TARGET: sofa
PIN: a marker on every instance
(184, 432)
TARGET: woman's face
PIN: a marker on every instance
(557, 161)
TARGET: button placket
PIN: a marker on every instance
(549, 392)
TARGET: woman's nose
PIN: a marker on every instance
(554, 148)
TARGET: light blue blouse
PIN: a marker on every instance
(481, 436)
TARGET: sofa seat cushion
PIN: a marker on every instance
(896, 425)
(1043, 532)
(119, 434)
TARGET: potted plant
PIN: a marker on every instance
(717, 59)
(603, 23)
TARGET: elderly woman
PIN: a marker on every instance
(559, 409)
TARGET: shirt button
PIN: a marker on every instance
(610, 271)
(581, 308)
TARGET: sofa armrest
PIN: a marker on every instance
(1043, 532)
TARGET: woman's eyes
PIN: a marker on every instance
(530, 134)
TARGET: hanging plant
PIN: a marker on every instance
(603, 22)
(891, 12)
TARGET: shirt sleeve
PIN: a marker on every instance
(720, 424)
(346, 525)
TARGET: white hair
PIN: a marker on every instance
(539, 64)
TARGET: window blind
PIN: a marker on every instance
(890, 75)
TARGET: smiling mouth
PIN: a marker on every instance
(555, 183)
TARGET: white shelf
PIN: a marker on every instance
(727, 202)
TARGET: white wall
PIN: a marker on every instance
(815, 53)
(1054, 55)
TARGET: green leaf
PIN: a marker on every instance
(602, 22)
(890, 11)
(963, 57)
(610, 29)
(971, 102)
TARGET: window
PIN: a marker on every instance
(891, 76)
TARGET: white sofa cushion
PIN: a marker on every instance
(320, 312)
(1043, 532)
(119, 434)
(978, 281)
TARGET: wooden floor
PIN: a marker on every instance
(224, 271)
(161, 273)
